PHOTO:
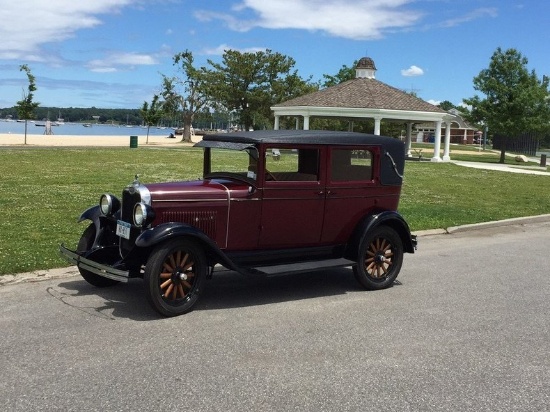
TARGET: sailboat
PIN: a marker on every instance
(128, 125)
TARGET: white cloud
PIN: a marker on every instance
(114, 62)
(434, 102)
(352, 19)
(412, 71)
(473, 15)
(27, 25)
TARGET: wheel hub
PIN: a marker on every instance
(380, 258)
(179, 276)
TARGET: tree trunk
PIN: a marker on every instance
(186, 137)
(187, 124)
(503, 150)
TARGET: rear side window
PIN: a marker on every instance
(292, 165)
(350, 165)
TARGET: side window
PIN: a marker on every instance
(351, 165)
(291, 165)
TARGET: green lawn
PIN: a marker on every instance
(469, 153)
(44, 190)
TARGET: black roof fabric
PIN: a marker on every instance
(321, 137)
(393, 153)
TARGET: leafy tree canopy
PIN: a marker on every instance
(249, 83)
(446, 105)
(186, 94)
(515, 100)
(26, 107)
(151, 114)
(344, 74)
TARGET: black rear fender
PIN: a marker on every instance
(388, 218)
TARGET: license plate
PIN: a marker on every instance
(123, 229)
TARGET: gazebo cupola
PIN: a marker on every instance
(365, 68)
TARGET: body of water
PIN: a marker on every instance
(78, 129)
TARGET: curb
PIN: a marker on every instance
(485, 225)
(38, 275)
(65, 272)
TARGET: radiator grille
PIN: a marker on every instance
(129, 200)
(205, 220)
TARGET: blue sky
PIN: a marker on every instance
(110, 53)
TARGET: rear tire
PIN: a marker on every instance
(84, 245)
(379, 258)
(174, 275)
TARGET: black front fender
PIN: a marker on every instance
(100, 222)
(91, 213)
(168, 231)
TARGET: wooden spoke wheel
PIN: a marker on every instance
(379, 259)
(174, 275)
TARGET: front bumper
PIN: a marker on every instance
(414, 240)
(89, 265)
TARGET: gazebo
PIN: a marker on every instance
(367, 98)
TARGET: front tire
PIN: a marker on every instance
(84, 245)
(174, 275)
(379, 259)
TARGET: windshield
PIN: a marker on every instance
(240, 164)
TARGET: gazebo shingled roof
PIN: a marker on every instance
(363, 93)
(366, 97)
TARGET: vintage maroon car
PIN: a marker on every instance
(269, 202)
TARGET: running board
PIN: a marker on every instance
(293, 267)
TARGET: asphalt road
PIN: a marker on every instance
(465, 329)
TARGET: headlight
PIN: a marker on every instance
(143, 214)
(108, 204)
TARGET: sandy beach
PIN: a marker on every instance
(18, 140)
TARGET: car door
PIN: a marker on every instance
(293, 198)
(352, 190)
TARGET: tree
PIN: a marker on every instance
(515, 102)
(26, 107)
(344, 74)
(186, 94)
(446, 105)
(244, 83)
(287, 88)
(151, 114)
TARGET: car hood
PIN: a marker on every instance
(196, 190)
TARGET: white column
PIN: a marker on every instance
(377, 125)
(276, 126)
(437, 142)
(306, 122)
(465, 136)
(446, 150)
(297, 123)
(408, 139)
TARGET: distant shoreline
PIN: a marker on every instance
(8, 139)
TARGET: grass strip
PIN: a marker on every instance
(44, 190)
